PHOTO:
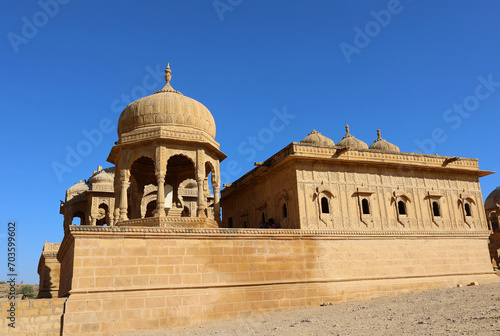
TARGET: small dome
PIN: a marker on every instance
(493, 200)
(167, 107)
(79, 186)
(103, 175)
(383, 145)
(350, 141)
(316, 138)
(77, 189)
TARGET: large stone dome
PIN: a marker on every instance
(166, 107)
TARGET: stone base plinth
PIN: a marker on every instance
(173, 222)
(129, 278)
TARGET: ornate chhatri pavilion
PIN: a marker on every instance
(356, 221)
(165, 139)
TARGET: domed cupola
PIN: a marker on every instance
(316, 138)
(102, 179)
(164, 139)
(383, 145)
(103, 175)
(350, 141)
(170, 110)
(493, 200)
(77, 189)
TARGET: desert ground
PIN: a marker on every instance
(468, 310)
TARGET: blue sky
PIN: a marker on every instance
(269, 71)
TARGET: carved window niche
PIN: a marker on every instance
(244, 220)
(465, 203)
(434, 199)
(400, 202)
(282, 210)
(325, 205)
(261, 213)
(363, 196)
(324, 201)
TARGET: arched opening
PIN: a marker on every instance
(435, 209)
(494, 221)
(179, 169)
(103, 218)
(468, 212)
(284, 211)
(142, 173)
(81, 216)
(401, 208)
(150, 209)
(365, 206)
(325, 207)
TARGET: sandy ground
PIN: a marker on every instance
(471, 310)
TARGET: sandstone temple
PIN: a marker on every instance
(153, 242)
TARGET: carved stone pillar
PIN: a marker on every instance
(124, 182)
(216, 187)
(111, 213)
(160, 172)
(201, 198)
(200, 179)
(160, 196)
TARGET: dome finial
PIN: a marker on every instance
(379, 137)
(168, 78)
(347, 129)
(168, 72)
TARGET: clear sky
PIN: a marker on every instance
(427, 73)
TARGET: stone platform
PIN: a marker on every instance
(130, 278)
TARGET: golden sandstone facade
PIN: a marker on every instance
(355, 222)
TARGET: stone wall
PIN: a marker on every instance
(49, 271)
(66, 266)
(40, 317)
(246, 205)
(146, 278)
(345, 183)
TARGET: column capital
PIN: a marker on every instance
(124, 174)
(160, 174)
